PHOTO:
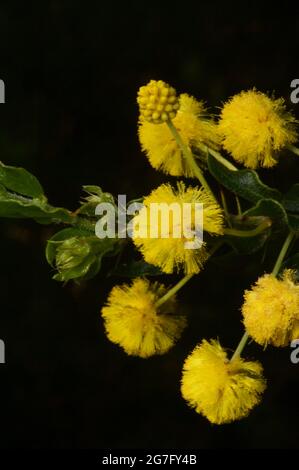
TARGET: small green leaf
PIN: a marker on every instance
(291, 199)
(244, 183)
(21, 207)
(272, 209)
(266, 210)
(20, 181)
(247, 243)
(294, 222)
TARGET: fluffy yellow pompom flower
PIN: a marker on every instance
(167, 249)
(195, 129)
(133, 321)
(255, 127)
(221, 390)
(271, 310)
(157, 102)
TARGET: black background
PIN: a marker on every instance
(71, 71)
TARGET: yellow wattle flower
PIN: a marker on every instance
(271, 310)
(167, 251)
(133, 321)
(254, 127)
(221, 390)
(194, 128)
(157, 101)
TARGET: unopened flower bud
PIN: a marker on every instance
(157, 101)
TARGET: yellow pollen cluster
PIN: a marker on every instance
(157, 101)
(221, 390)
(195, 128)
(254, 127)
(166, 249)
(271, 310)
(133, 321)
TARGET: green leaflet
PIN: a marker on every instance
(244, 183)
(294, 222)
(272, 209)
(290, 200)
(265, 209)
(15, 206)
(21, 196)
(247, 244)
(20, 181)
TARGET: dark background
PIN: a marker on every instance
(71, 71)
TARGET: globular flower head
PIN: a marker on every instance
(164, 237)
(195, 129)
(157, 101)
(134, 322)
(221, 390)
(271, 310)
(254, 127)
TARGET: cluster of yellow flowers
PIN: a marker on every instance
(195, 128)
(135, 321)
(167, 252)
(271, 310)
(220, 389)
(252, 128)
(255, 127)
(143, 317)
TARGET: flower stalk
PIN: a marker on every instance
(217, 156)
(184, 280)
(189, 158)
(248, 233)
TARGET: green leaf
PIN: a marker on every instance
(20, 181)
(21, 196)
(265, 210)
(246, 224)
(294, 222)
(290, 202)
(272, 209)
(247, 245)
(136, 269)
(20, 207)
(291, 199)
(244, 183)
